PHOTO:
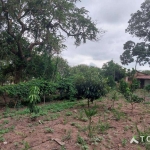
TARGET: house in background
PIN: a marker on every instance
(142, 77)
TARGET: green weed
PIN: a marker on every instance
(49, 130)
(67, 136)
(68, 113)
(124, 142)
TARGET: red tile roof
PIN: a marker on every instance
(143, 77)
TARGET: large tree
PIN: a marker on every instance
(113, 71)
(29, 24)
(139, 26)
(138, 53)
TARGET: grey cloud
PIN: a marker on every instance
(112, 16)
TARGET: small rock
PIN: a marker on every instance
(40, 122)
(75, 111)
(140, 128)
(59, 141)
(5, 143)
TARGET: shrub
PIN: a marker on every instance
(33, 99)
(147, 88)
(91, 88)
(66, 88)
(128, 91)
(20, 92)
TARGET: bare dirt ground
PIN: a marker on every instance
(112, 129)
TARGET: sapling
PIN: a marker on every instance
(114, 98)
(90, 113)
(33, 99)
(128, 91)
(132, 98)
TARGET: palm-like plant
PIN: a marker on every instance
(90, 113)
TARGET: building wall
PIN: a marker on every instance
(147, 82)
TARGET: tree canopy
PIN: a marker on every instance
(139, 27)
(30, 25)
(139, 53)
(140, 21)
(113, 70)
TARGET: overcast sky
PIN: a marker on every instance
(112, 16)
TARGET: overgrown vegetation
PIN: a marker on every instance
(33, 74)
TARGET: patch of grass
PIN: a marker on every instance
(54, 116)
(52, 107)
(77, 125)
(16, 144)
(80, 140)
(5, 121)
(84, 119)
(102, 127)
(58, 107)
(6, 130)
(47, 118)
(118, 115)
(67, 136)
(65, 121)
(124, 142)
(26, 146)
(68, 113)
(22, 134)
(43, 112)
(2, 139)
(63, 147)
(30, 125)
(126, 128)
(49, 130)
(96, 140)
(82, 143)
(73, 123)
(81, 114)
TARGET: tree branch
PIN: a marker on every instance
(34, 44)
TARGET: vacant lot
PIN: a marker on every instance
(64, 125)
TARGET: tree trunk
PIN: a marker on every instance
(4, 98)
(132, 106)
(18, 75)
(44, 99)
(88, 103)
(113, 103)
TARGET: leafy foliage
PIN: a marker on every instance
(90, 113)
(139, 27)
(128, 91)
(67, 88)
(139, 22)
(33, 99)
(123, 86)
(147, 88)
(114, 97)
(113, 71)
(92, 88)
(39, 26)
(21, 91)
(133, 52)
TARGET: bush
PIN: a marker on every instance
(123, 86)
(127, 91)
(147, 88)
(66, 88)
(19, 92)
(90, 88)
